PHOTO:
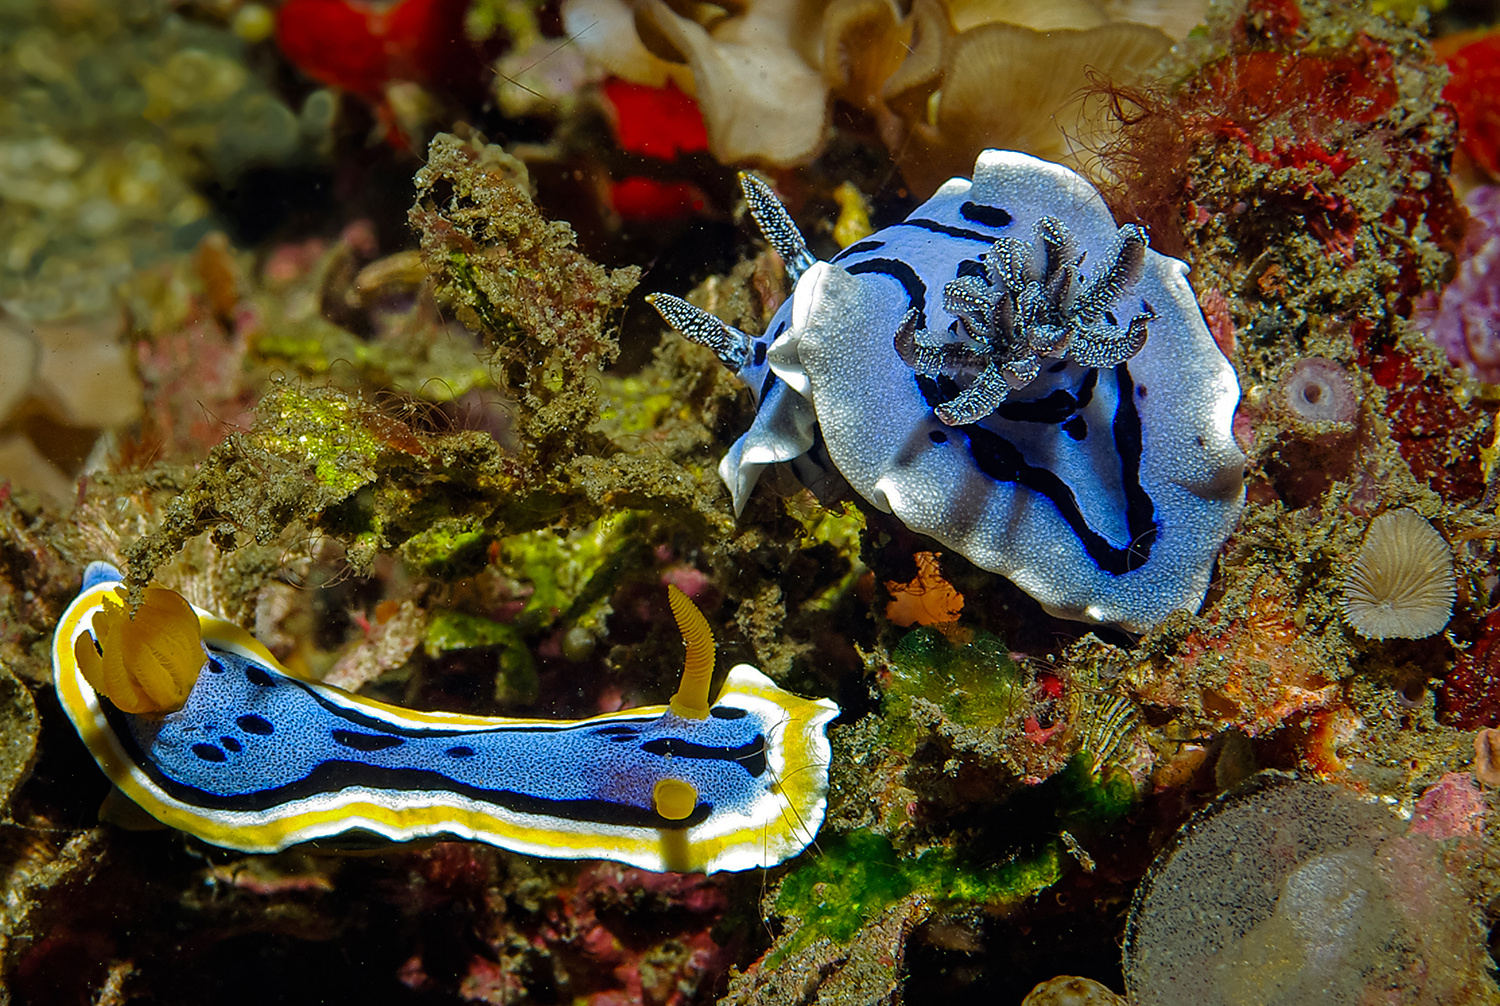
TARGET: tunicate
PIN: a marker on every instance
(1318, 390)
(1290, 892)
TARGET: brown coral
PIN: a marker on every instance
(1401, 584)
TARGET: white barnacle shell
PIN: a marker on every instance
(1105, 492)
(1401, 584)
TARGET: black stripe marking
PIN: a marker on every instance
(962, 233)
(751, 755)
(987, 216)
(859, 249)
(916, 290)
(1058, 407)
(333, 776)
(1002, 461)
(358, 719)
(366, 742)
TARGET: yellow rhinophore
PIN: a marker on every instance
(691, 698)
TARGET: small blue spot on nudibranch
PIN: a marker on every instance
(365, 742)
(208, 752)
(230, 743)
(256, 676)
(461, 751)
(253, 724)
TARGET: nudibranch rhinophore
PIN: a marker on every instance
(247, 756)
(1010, 373)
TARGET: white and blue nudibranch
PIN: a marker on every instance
(196, 722)
(1008, 372)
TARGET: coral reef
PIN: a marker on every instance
(404, 415)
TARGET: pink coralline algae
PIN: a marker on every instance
(1465, 319)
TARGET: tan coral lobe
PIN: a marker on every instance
(1401, 584)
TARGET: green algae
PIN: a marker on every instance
(515, 678)
(858, 877)
(572, 575)
(449, 547)
(975, 683)
(340, 452)
(519, 279)
(1092, 795)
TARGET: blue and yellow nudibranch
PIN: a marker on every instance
(195, 721)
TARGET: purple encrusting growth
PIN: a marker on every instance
(1465, 318)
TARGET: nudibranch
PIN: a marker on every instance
(1009, 373)
(196, 722)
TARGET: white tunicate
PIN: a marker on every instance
(1294, 893)
(1318, 390)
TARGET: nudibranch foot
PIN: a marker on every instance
(1014, 374)
(256, 759)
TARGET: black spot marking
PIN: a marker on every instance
(366, 742)
(988, 216)
(209, 753)
(257, 676)
(630, 730)
(230, 743)
(1141, 391)
(760, 353)
(213, 666)
(1076, 428)
(253, 724)
(728, 713)
(1109, 316)
(462, 751)
(937, 436)
(1058, 367)
(971, 267)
